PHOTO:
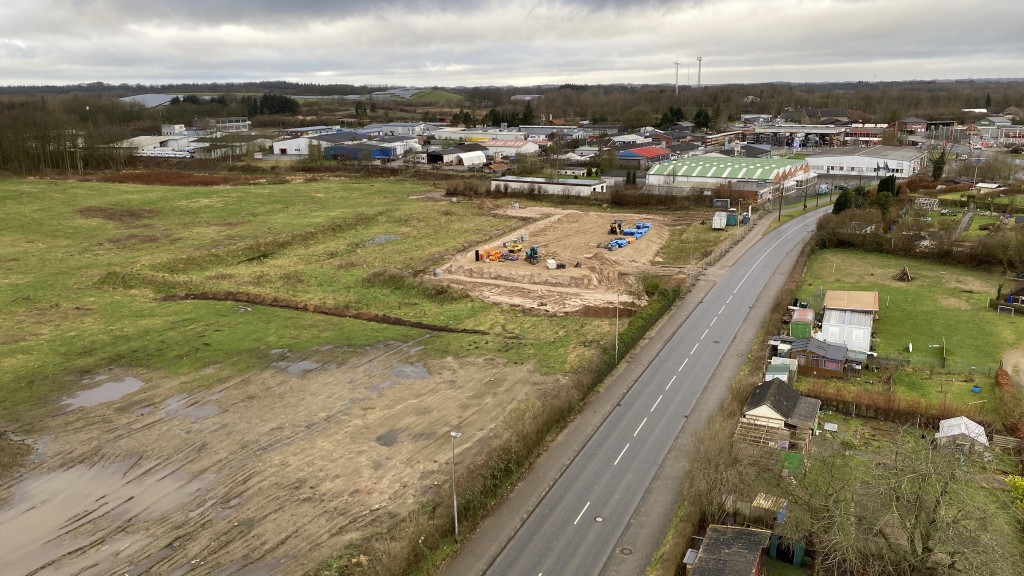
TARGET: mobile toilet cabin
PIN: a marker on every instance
(718, 222)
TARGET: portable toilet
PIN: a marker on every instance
(731, 219)
(718, 222)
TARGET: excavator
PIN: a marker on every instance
(532, 255)
(615, 228)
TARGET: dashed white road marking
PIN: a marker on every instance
(581, 513)
(617, 460)
(694, 347)
(713, 321)
(671, 381)
(656, 402)
(639, 427)
(681, 366)
(704, 334)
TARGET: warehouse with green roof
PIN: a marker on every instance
(766, 177)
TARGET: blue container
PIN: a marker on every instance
(976, 389)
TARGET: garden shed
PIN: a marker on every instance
(802, 323)
(730, 551)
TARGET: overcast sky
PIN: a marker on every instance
(509, 42)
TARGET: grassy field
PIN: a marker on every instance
(83, 267)
(693, 243)
(941, 302)
(972, 232)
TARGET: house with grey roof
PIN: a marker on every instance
(778, 405)
(818, 358)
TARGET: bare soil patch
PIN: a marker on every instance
(1013, 362)
(115, 214)
(263, 474)
(570, 237)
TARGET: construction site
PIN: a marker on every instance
(568, 261)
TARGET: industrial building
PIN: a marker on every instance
(766, 177)
(874, 161)
(566, 187)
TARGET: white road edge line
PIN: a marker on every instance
(671, 381)
(638, 428)
(616, 462)
(581, 513)
(704, 334)
(763, 256)
(656, 402)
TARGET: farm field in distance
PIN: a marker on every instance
(181, 419)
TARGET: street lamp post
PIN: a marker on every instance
(455, 499)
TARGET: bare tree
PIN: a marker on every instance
(914, 510)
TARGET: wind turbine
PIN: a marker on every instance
(677, 74)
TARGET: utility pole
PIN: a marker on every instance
(699, 58)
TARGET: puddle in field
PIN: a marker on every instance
(388, 439)
(298, 368)
(58, 523)
(402, 372)
(107, 392)
(411, 371)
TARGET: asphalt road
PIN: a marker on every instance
(575, 527)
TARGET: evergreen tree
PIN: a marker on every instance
(702, 119)
(887, 184)
(844, 201)
(528, 117)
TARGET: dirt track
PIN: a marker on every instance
(568, 237)
(264, 474)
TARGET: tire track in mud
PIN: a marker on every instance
(287, 472)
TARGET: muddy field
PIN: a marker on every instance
(263, 474)
(278, 468)
(569, 237)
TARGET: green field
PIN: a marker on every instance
(973, 232)
(84, 267)
(436, 96)
(941, 302)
